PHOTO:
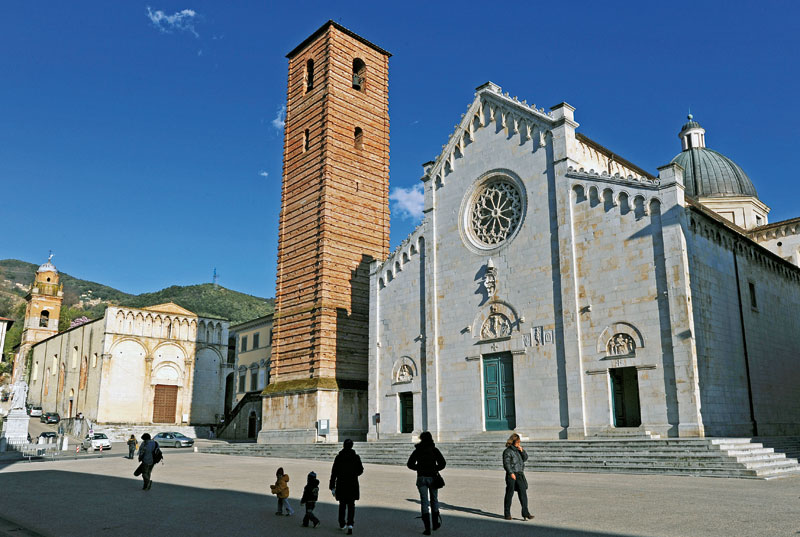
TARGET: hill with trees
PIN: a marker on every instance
(83, 298)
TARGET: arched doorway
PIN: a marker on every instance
(229, 394)
(71, 403)
(252, 425)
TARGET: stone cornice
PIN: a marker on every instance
(605, 177)
(490, 105)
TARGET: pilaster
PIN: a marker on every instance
(563, 147)
(674, 231)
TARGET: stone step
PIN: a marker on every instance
(728, 457)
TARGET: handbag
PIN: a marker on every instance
(138, 470)
(438, 481)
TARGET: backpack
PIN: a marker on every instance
(157, 455)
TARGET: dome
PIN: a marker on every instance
(707, 173)
(48, 266)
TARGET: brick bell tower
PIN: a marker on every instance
(334, 220)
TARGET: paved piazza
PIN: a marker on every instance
(219, 495)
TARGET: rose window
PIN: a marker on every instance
(496, 212)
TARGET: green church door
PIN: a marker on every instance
(625, 396)
(498, 392)
(406, 412)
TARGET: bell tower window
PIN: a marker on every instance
(358, 138)
(359, 75)
(309, 75)
(44, 319)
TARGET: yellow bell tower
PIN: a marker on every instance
(41, 314)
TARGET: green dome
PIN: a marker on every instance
(709, 174)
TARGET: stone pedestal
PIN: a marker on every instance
(292, 409)
(15, 428)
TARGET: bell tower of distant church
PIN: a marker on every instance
(41, 313)
(334, 221)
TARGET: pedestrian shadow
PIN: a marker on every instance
(470, 510)
(120, 508)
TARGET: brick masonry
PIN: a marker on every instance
(334, 221)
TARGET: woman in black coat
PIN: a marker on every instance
(514, 457)
(428, 461)
(344, 483)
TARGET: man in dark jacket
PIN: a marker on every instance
(147, 460)
(344, 483)
(514, 458)
(309, 499)
(428, 461)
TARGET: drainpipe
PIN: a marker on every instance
(744, 344)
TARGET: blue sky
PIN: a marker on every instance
(141, 141)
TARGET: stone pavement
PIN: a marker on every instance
(202, 494)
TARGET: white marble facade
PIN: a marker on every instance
(109, 370)
(603, 296)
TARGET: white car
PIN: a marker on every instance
(96, 441)
(36, 411)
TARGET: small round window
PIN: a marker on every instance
(494, 213)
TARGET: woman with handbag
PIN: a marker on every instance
(428, 461)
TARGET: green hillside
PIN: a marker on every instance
(90, 299)
(207, 300)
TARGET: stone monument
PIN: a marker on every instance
(15, 430)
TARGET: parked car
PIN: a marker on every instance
(49, 436)
(176, 440)
(50, 417)
(35, 411)
(95, 441)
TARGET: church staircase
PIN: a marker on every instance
(708, 457)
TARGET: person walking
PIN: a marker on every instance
(427, 461)
(309, 499)
(281, 490)
(149, 456)
(131, 447)
(514, 458)
(344, 484)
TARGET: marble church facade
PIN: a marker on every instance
(160, 364)
(558, 290)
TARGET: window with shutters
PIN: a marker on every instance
(253, 380)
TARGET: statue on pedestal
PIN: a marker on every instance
(19, 394)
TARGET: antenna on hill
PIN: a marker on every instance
(216, 278)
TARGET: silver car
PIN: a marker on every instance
(173, 440)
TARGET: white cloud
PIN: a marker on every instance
(280, 118)
(262, 173)
(408, 202)
(182, 21)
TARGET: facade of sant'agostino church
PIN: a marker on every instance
(132, 367)
(556, 289)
